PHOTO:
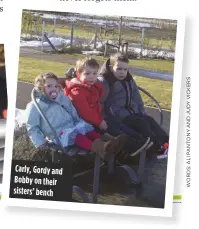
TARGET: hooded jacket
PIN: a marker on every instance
(62, 116)
(86, 99)
(121, 96)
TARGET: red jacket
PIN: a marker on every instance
(86, 99)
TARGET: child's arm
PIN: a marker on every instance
(33, 126)
(106, 90)
(137, 98)
(109, 104)
(70, 108)
(118, 110)
(101, 90)
(83, 108)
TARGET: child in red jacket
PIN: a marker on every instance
(85, 93)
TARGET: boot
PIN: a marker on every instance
(107, 137)
(122, 140)
(104, 149)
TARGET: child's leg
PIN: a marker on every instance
(104, 149)
(83, 142)
(140, 125)
(93, 135)
(161, 135)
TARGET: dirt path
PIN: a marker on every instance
(37, 54)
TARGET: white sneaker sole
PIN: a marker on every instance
(163, 156)
(140, 149)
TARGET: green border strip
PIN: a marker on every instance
(177, 197)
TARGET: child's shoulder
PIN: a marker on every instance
(30, 107)
(99, 84)
(74, 85)
(30, 110)
(63, 98)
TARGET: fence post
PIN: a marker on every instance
(142, 42)
(95, 38)
(120, 31)
(72, 32)
(42, 36)
(105, 27)
(105, 50)
(54, 24)
(126, 51)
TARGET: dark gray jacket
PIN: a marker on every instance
(120, 96)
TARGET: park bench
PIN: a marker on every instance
(23, 97)
(132, 177)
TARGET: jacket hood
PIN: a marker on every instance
(107, 74)
(75, 83)
(43, 99)
(105, 67)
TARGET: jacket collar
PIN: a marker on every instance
(44, 102)
(108, 75)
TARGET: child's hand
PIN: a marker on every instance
(103, 125)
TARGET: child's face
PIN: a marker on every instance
(89, 75)
(120, 70)
(51, 88)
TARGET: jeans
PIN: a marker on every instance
(148, 127)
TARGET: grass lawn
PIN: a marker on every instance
(159, 89)
(155, 65)
(29, 68)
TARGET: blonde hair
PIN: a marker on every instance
(88, 61)
(118, 57)
(41, 79)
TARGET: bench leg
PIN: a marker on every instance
(111, 166)
(141, 165)
(96, 178)
(128, 173)
(78, 191)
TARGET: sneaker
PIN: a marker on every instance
(163, 154)
(166, 145)
(138, 146)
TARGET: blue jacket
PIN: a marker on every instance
(62, 116)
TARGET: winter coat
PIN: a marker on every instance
(62, 116)
(120, 96)
(86, 99)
